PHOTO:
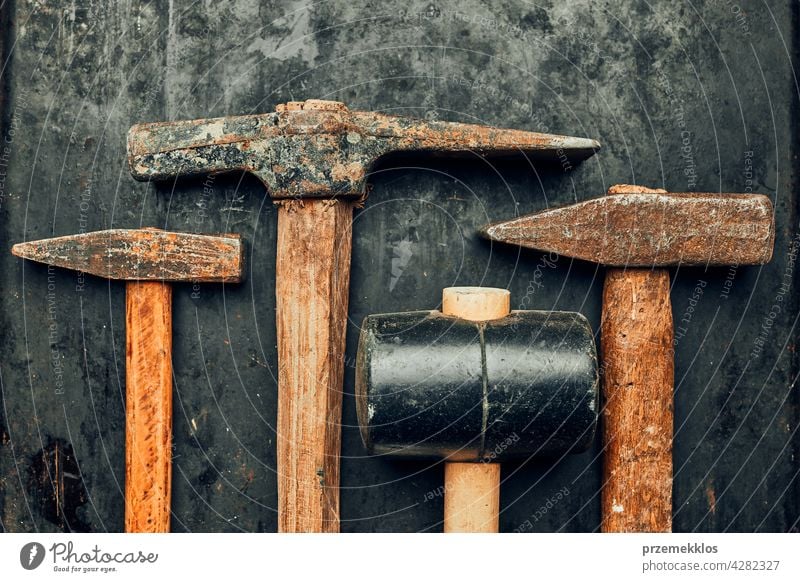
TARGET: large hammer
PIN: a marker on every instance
(476, 384)
(147, 259)
(639, 231)
(314, 157)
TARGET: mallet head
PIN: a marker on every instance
(143, 255)
(642, 227)
(320, 149)
(435, 386)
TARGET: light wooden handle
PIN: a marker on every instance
(472, 490)
(148, 414)
(313, 272)
(471, 497)
(476, 303)
(638, 364)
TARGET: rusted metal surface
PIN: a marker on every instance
(635, 226)
(143, 254)
(320, 149)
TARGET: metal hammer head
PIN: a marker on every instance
(319, 149)
(142, 255)
(642, 227)
(434, 386)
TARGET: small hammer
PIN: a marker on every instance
(476, 384)
(638, 230)
(314, 158)
(146, 259)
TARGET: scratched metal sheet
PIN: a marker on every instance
(683, 96)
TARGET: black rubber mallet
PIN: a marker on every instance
(476, 384)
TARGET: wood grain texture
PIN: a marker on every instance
(312, 271)
(637, 360)
(471, 497)
(472, 490)
(476, 303)
(148, 431)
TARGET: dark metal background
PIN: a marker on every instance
(682, 95)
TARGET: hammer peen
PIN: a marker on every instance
(314, 158)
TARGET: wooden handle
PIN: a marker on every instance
(148, 414)
(476, 303)
(637, 355)
(472, 490)
(471, 497)
(313, 272)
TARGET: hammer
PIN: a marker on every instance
(476, 384)
(146, 259)
(314, 157)
(639, 231)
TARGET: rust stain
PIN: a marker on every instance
(711, 497)
(643, 227)
(319, 148)
(143, 254)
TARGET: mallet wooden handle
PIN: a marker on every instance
(313, 273)
(471, 497)
(148, 417)
(472, 490)
(637, 356)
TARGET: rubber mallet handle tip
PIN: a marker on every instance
(472, 490)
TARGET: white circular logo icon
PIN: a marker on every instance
(31, 555)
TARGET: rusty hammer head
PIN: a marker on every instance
(320, 149)
(435, 385)
(143, 255)
(641, 227)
